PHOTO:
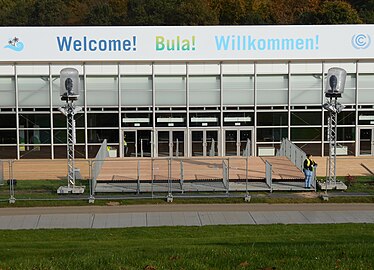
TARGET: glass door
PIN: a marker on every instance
(204, 142)
(144, 143)
(170, 143)
(129, 143)
(137, 143)
(366, 141)
(163, 143)
(238, 142)
(231, 143)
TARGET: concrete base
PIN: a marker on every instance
(169, 198)
(325, 197)
(12, 200)
(247, 198)
(91, 199)
(330, 186)
(73, 190)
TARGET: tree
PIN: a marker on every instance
(195, 12)
(99, 14)
(331, 12)
(48, 13)
(15, 13)
(365, 9)
(230, 12)
(151, 12)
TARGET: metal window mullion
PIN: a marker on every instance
(254, 152)
(17, 108)
(221, 107)
(189, 145)
(154, 147)
(85, 108)
(51, 111)
(357, 137)
(289, 102)
(119, 109)
(323, 111)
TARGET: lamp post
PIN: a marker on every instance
(335, 82)
(69, 92)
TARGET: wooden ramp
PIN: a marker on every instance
(197, 169)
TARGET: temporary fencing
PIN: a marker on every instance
(113, 178)
(97, 164)
(292, 152)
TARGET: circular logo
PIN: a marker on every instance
(361, 41)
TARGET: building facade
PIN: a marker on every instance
(185, 91)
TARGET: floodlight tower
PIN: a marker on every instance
(335, 82)
(69, 92)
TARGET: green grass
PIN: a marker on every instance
(339, 246)
(43, 193)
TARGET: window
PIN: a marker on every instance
(102, 91)
(204, 90)
(33, 91)
(136, 90)
(238, 90)
(272, 89)
(170, 90)
(306, 89)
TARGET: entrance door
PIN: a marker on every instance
(366, 141)
(137, 143)
(204, 142)
(238, 142)
(170, 143)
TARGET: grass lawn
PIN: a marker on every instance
(43, 193)
(340, 246)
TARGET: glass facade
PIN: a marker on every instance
(183, 109)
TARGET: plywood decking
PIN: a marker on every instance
(127, 169)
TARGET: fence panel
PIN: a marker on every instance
(269, 174)
(1, 172)
(293, 153)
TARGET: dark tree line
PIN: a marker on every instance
(184, 12)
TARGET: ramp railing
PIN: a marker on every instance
(269, 174)
(1, 172)
(225, 174)
(97, 164)
(292, 152)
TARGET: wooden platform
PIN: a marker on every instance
(197, 169)
(126, 168)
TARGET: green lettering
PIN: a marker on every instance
(185, 45)
(160, 46)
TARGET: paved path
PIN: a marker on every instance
(183, 215)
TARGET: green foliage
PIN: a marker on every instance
(349, 246)
(184, 12)
(99, 14)
(48, 12)
(331, 12)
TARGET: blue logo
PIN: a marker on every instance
(361, 41)
(15, 45)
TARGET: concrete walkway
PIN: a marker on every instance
(182, 215)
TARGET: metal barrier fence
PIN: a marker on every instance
(297, 157)
(96, 166)
(183, 176)
(1, 172)
(140, 177)
(269, 175)
(292, 152)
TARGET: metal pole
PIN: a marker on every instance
(12, 199)
(141, 147)
(138, 176)
(70, 143)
